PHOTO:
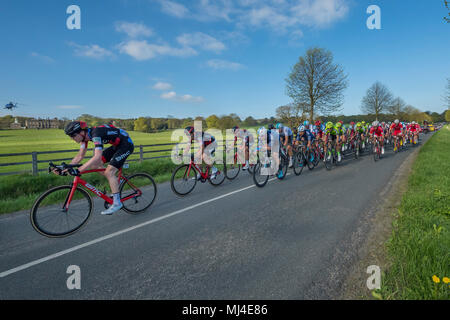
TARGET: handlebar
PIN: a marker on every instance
(63, 166)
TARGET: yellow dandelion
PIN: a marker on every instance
(446, 280)
(436, 279)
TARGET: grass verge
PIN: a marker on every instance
(418, 250)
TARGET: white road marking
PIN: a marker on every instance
(115, 234)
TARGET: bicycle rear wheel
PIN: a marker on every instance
(183, 180)
(142, 188)
(219, 177)
(284, 163)
(232, 170)
(50, 217)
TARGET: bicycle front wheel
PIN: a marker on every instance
(232, 170)
(142, 189)
(219, 176)
(261, 174)
(183, 179)
(299, 163)
(50, 216)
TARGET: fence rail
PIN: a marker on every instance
(34, 157)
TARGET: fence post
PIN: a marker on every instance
(35, 163)
(141, 153)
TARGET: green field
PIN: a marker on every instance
(24, 141)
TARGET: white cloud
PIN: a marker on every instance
(43, 58)
(142, 50)
(172, 95)
(173, 8)
(162, 86)
(202, 41)
(320, 13)
(91, 51)
(223, 64)
(134, 30)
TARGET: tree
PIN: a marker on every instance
(396, 107)
(447, 115)
(250, 122)
(447, 3)
(316, 84)
(212, 121)
(447, 95)
(141, 124)
(291, 114)
(377, 98)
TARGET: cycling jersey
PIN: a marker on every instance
(122, 145)
(414, 128)
(397, 127)
(378, 131)
(307, 136)
(245, 135)
(286, 132)
(339, 131)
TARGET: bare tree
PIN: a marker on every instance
(377, 99)
(447, 3)
(316, 84)
(397, 106)
(291, 114)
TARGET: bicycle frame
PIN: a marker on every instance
(78, 181)
(204, 175)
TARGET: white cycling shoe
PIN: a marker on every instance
(112, 209)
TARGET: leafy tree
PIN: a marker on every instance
(316, 84)
(212, 121)
(141, 124)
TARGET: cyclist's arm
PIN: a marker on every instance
(80, 156)
(94, 162)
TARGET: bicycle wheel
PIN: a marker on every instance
(376, 152)
(183, 180)
(142, 188)
(232, 170)
(284, 163)
(260, 174)
(50, 217)
(299, 163)
(309, 162)
(219, 177)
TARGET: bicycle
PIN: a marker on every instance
(263, 169)
(331, 156)
(376, 150)
(302, 157)
(72, 206)
(186, 175)
(234, 168)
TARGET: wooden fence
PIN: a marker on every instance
(34, 157)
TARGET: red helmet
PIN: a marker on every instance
(317, 123)
(352, 123)
(342, 122)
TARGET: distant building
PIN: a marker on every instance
(15, 125)
(43, 123)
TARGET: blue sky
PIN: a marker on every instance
(155, 58)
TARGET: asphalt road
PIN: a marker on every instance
(292, 239)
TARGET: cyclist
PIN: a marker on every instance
(330, 132)
(396, 132)
(122, 147)
(305, 136)
(208, 146)
(248, 142)
(286, 139)
(376, 132)
(414, 129)
(340, 138)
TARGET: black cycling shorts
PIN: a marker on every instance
(116, 155)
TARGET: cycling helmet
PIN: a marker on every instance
(301, 128)
(413, 122)
(375, 123)
(74, 127)
(306, 123)
(318, 123)
(271, 126)
(279, 126)
(363, 122)
(189, 129)
(352, 123)
(396, 121)
(338, 124)
(235, 128)
(329, 125)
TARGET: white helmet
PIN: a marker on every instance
(261, 131)
(413, 122)
(396, 121)
(301, 128)
(375, 123)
